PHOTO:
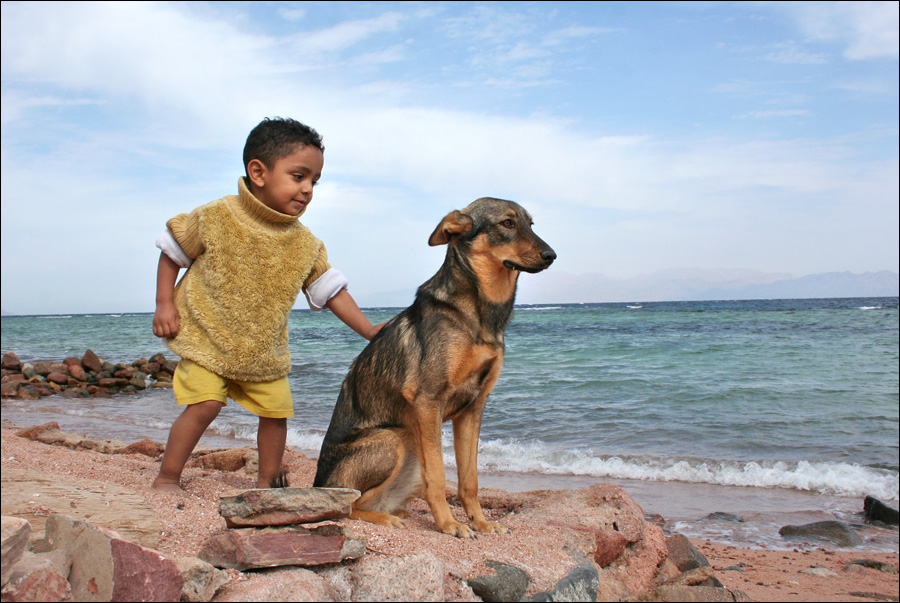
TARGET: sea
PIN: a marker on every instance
(729, 419)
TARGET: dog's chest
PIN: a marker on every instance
(472, 373)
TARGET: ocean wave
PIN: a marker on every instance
(831, 478)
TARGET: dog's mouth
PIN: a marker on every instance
(530, 269)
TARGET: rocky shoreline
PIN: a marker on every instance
(84, 377)
(88, 520)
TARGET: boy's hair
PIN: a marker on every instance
(278, 137)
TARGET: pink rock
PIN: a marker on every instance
(58, 378)
(11, 362)
(36, 578)
(146, 447)
(91, 362)
(286, 506)
(72, 361)
(250, 548)
(14, 540)
(609, 545)
(107, 568)
(76, 372)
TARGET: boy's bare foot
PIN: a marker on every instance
(280, 481)
(168, 487)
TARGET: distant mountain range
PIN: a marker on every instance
(680, 284)
(687, 284)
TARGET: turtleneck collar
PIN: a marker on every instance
(258, 211)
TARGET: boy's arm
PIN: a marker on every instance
(344, 307)
(166, 320)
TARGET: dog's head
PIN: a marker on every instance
(498, 229)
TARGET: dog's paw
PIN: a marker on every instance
(490, 527)
(381, 519)
(459, 530)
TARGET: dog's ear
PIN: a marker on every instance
(454, 223)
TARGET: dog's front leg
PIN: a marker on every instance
(466, 428)
(431, 458)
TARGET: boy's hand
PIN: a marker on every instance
(374, 330)
(166, 321)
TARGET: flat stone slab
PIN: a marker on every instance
(33, 496)
(285, 506)
(254, 548)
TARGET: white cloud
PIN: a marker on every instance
(868, 30)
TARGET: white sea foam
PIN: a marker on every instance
(832, 478)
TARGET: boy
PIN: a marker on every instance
(249, 257)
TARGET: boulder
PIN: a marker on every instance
(507, 583)
(835, 532)
(13, 542)
(11, 362)
(201, 580)
(418, 577)
(91, 362)
(36, 578)
(107, 568)
(286, 506)
(580, 584)
(279, 584)
(875, 510)
(251, 548)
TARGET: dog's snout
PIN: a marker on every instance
(548, 256)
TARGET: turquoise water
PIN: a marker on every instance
(796, 395)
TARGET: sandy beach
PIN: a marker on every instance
(184, 524)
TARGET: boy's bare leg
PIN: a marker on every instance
(270, 440)
(183, 437)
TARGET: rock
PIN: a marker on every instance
(201, 580)
(720, 516)
(249, 548)
(609, 545)
(705, 594)
(875, 510)
(580, 584)
(11, 362)
(146, 447)
(42, 368)
(58, 378)
(835, 532)
(577, 516)
(231, 459)
(107, 568)
(684, 554)
(77, 373)
(13, 542)
(418, 577)
(37, 497)
(876, 565)
(286, 506)
(91, 362)
(280, 584)
(35, 578)
(819, 572)
(508, 583)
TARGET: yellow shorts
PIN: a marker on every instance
(193, 383)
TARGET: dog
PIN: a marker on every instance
(436, 361)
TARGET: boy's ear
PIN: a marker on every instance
(256, 171)
(454, 223)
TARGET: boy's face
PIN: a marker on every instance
(288, 186)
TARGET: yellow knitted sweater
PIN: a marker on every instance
(250, 263)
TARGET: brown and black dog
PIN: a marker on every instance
(438, 360)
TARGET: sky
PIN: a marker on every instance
(641, 136)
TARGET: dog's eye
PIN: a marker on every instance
(508, 224)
